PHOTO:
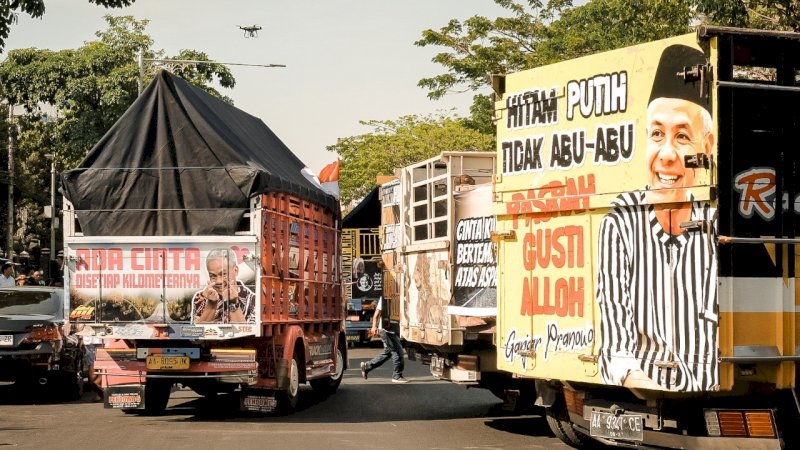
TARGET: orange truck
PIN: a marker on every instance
(647, 222)
(201, 251)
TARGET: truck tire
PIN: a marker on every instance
(156, 396)
(561, 426)
(287, 398)
(71, 384)
(328, 385)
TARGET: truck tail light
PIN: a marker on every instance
(731, 423)
(740, 423)
(574, 402)
(759, 424)
(42, 334)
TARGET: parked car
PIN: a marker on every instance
(35, 350)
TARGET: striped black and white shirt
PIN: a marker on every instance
(658, 297)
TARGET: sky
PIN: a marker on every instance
(346, 60)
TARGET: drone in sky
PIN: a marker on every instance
(251, 31)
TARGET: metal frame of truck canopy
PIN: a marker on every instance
(748, 179)
(427, 226)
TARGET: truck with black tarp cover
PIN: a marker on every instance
(201, 252)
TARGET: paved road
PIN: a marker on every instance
(424, 414)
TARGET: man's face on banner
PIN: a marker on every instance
(675, 129)
(221, 277)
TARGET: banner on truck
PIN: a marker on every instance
(193, 284)
(475, 265)
(604, 169)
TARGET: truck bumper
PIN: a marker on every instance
(121, 367)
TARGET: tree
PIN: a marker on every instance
(72, 97)
(538, 33)
(9, 9)
(782, 15)
(398, 143)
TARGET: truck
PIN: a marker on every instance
(647, 204)
(200, 250)
(362, 269)
(440, 269)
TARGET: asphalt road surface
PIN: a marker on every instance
(373, 413)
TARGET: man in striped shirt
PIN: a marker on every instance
(657, 267)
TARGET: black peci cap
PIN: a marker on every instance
(669, 83)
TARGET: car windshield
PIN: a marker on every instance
(22, 301)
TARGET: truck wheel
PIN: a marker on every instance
(560, 425)
(71, 384)
(287, 399)
(328, 385)
(156, 396)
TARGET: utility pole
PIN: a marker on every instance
(10, 224)
(179, 62)
(52, 158)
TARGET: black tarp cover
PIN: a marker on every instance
(367, 214)
(182, 162)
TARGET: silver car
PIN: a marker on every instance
(34, 348)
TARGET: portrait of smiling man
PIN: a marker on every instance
(657, 263)
(224, 299)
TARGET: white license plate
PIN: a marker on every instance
(624, 426)
(6, 340)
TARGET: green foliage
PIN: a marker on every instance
(9, 10)
(480, 47)
(537, 33)
(602, 25)
(398, 143)
(782, 15)
(72, 97)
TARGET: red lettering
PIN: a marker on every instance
(115, 260)
(192, 259)
(547, 246)
(529, 251)
(530, 297)
(136, 257)
(175, 254)
(756, 188)
(553, 199)
(568, 297)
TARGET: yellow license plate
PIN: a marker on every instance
(158, 362)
